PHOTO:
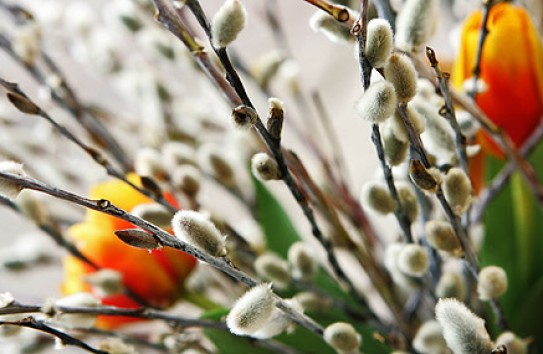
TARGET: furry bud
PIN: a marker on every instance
(492, 283)
(243, 117)
(195, 229)
(514, 344)
(273, 268)
(330, 27)
(378, 42)
(376, 197)
(32, 207)
(401, 279)
(264, 167)
(451, 285)
(426, 180)
(176, 153)
(400, 71)
(302, 262)
(342, 337)
(441, 236)
(251, 311)
(398, 126)
(154, 213)
(429, 338)
(76, 300)
(8, 188)
(415, 24)
(457, 190)
(212, 160)
(227, 23)
(395, 149)
(413, 260)
(274, 124)
(278, 322)
(408, 200)
(187, 179)
(116, 346)
(266, 67)
(105, 282)
(378, 102)
(312, 302)
(148, 163)
(464, 332)
(6, 299)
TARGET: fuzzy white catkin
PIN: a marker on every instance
(408, 200)
(330, 27)
(451, 285)
(400, 71)
(377, 198)
(413, 260)
(228, 22)
(401, 279)
(264, 167)
(148, 163)
(342, 337)
(395, 149)
(492, 283)
(457, 190)
(278, 322)
(273, 268)
(77, 300)
(441, 236)
(378, 42)
(464, 332)
(302, 263)
(251, 311)
(415, 24)
(176, 153)
(116, 346)
(196, 230)
(187, 179)
(154, 213)
(8, 188)
(105, 282)
(429, 338)
(214, 161)
(398, 126)
(6, 299)
(378, 102)
(514, 344)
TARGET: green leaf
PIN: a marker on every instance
(279, 231)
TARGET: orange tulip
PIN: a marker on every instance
(156, 276)
(511, 70)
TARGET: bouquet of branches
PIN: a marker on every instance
(148, 156)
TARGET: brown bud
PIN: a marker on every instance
(275, 118)
(138, 238)
(424, 179)
(22, 103)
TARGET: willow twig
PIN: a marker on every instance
(482, 37)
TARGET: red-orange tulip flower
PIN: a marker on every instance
(511, 69)
(156, 276)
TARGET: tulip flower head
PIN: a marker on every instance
(155, 276)
(511, 71)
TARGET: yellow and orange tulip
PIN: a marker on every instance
(511, 69)
(156, 276)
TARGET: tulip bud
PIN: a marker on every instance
(492, 283)
(243, 117)
(330, 27)
(395, 149)
(196, 230)
(302, 262)
(105, 282)
(251, 311)
(272, 268)
(429, 338)
(451, 285)
(415, 24)
(154, 213)
(408, 200)
(400, 71)
(376, 197)
(187, 179)
(413, 260)
(227, 23)
(378, 42)
(441, 236)
(464, 332)
(8, 188)
(342, 337)
(76, 319)
(457, 190)
(378, 102)
(264, 167)
(6, 299)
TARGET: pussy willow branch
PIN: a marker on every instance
(169, 19)
(70, 102)
(134, 339)
(31, 322)
(164, 238)
(488, 194)
(482, 37)
(96, 156)
(360, 32)
(340, 13)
